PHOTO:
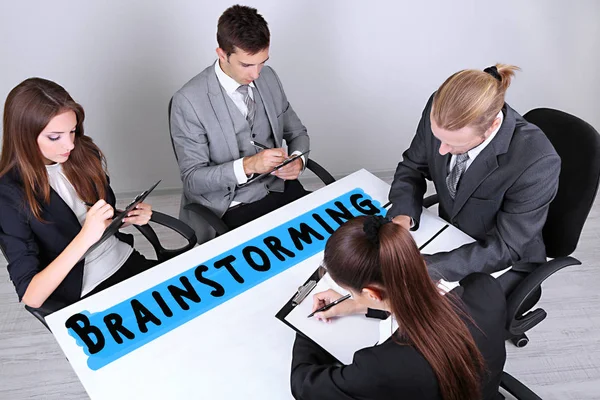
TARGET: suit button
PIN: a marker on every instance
(267, 186)
(229, 188)
(254, 135)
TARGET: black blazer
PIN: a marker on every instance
(30, 245)
(394, 371)
(502, 200)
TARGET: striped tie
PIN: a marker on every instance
(454, 176)
(243, 89)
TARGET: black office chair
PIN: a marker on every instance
(162, 254)
(516, 388)
(213, 219)
(578, 145)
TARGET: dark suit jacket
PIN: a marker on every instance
(398, 371)
(30, 245)
(502, 199)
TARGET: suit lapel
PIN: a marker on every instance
(440, 163)
(217, 101)
(63, 217)
(486, 162)
(269, 105)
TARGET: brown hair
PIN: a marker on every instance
(28, 109)
(472, 98)
(427, 320)
(244, 28)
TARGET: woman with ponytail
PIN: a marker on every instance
(50, 171)
(438, 346)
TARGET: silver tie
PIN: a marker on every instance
(454, 176)
(250, 104)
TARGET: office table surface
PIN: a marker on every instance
(237, 349)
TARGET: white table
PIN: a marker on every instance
(236, 350)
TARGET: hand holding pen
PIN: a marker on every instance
(330, 304)
(139, 216)
(263, 161)
(290, 171)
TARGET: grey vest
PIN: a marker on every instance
(261, 132)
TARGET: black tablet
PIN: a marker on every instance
(118, 218)
(283, 164)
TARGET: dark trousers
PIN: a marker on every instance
(510, 280)
(242, 214)
(135, 264)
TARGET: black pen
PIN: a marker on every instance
(259, 145)
(328, 306)
(88, 204)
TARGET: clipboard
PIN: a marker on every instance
(358, 331)
(117, 221)
(279, 166)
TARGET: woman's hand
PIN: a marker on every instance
(140, 215)
(98, 217)
(347, 307)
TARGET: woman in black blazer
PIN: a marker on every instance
(49, 172)
(446, 346)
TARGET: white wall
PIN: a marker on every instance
(358, 73)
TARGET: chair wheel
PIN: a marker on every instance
(520, 341)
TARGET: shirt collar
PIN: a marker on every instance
(474, 152)
(227, 82)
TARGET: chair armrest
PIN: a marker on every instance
(49, 306)
(520, 324)
(210, 217)
(321, 172)
(431, 200)
(173, 223)
(516, 388)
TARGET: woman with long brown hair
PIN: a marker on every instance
(49, 171)
(440, 346)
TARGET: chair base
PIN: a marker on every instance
(520, 341)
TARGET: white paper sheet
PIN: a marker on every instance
(343, 336)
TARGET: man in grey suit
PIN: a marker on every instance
(228, 124)
(495, 175)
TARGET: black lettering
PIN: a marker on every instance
(266, 263)
(143, 315)
(188, 292)
(366, 206)
(80, 324)
(114, 324)
(274, 244)
(324, 224)
(162, 304)
(338, 215)
(226, 262)
(303, 235)
(218, 289)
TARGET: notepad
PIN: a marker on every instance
(343, 336)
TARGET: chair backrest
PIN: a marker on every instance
(578, 145)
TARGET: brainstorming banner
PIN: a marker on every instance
(110, 334)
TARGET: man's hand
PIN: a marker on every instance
(264, 161)
(347, 307)
(291, 171)
(403, 220)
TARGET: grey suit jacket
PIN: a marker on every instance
(205, 141)
(502, 199)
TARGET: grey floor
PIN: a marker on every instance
(562, 361)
